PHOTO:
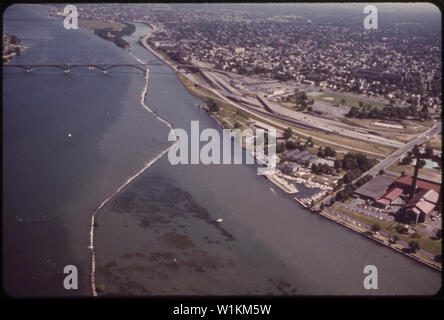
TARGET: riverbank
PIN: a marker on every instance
(306, 203)
(359, 228)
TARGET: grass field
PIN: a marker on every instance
(97, 24)
(346, 142)
(432, 246)
(409, 169)
(349, 101)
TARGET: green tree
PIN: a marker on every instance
(428, 153)
(375, 227)
(406, 160)
(329, 152)
(310, 142)
(414, 245)
(287, 133)
(213, 107)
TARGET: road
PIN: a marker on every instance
(382, 165)
(306, 120)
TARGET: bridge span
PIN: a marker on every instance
(104, 67)
(101, 66)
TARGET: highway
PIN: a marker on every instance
(261, 113)
(306, 120)
(253, 106)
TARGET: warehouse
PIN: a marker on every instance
(375, 188)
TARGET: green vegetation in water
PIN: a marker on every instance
(115, 36)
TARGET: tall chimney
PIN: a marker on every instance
(415, 178)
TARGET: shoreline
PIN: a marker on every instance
(384, 241)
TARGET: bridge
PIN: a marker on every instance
(104, 67)
(101, 66)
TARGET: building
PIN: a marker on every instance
(389, 198)
(420, 207)
(375, 188)
(405, 183)
(306, 157)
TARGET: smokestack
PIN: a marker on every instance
(415, 178)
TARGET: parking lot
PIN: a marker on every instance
(388, 214)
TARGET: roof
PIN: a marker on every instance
(425, 206)
(292, 153)
(375, 188)
(420, 183)
(432, 196)
(383, 201)
(393, 194)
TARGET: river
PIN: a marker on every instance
(158, 235)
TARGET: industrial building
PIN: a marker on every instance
(420, 207)
(375, 188)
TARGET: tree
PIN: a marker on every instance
(381, 172)
(414, 245)
(407, 160)
(338, 164)
(416, 151)
(280, 147)
(375, 227)
(342, 101)
(310, 142)
(287, 133)
(291, 144)
(395, 239)
(314, 168)
(329, 152)
(438, 234)
(213, 106)
(428, 153)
